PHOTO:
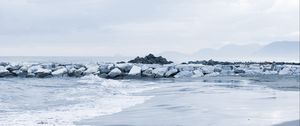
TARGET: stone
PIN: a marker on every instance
(125, 67)
(198, 73)
(185, 67)
(135, 71)
(92, 69)
(171, 72)
(114, 73)
(285, 71)
(183, 74)
(148, 72)
(239, 71)
(214, 74)
(4, 72)
(160, 72)
(208, 69)
(42, 72)
(104, 68)
(150, 59)
(60, 72)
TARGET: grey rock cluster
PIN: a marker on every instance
(132, 70)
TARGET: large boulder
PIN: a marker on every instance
(183, 74)
(60, 72)
(171, 72)
(160, 72)
(208, 69)
(285, 71)
(115, 73)
(104, 69)
(4, 72)
(125, 67)
(76, 72)
(148, 72)
(42, 72)
(135, 71)
(92, 69)
(213, 74)
(239, 71)
(198, 73)
(150, 59)
(185, 67)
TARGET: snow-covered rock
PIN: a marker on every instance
(183, 74)
(135, 71)
(115, 72)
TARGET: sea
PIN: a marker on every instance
(93, 101)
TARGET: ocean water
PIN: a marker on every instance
(94, 101)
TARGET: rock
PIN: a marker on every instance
(135, 71)
(92, 69)
(268, 72)
(214, 74)
(104, 68)
(218, 69)
(160, 72)
(171, 72)
(239, 71)
(148, 72)
(73, 72)
(183, 74)
(285, 71)
(125, 67)
(150, 59)
(4, 72)
(185, 67)
(20, 73)
(60, 72)
(114, 73)
(208, 69)
(198, 73)
(13, 67)
(41, 72)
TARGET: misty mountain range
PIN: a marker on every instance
(275, 51)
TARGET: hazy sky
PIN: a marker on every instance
(135, 27)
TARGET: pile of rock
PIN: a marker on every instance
(150, 59)
(137, 70)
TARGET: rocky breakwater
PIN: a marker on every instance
(150, 67)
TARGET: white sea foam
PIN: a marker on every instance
(93, 97)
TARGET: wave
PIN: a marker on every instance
(91, 97)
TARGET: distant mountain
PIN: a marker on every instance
(274, 51)
(280, 48)
(230, 50)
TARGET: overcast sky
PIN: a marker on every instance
(135, 27)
